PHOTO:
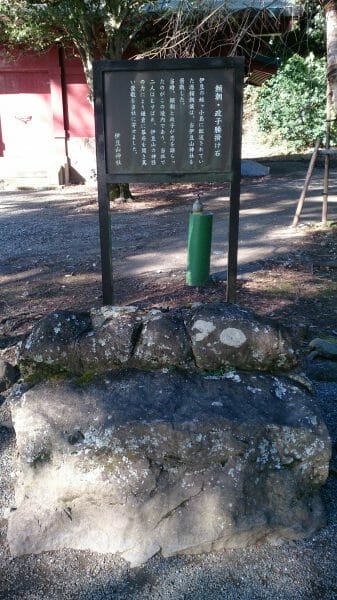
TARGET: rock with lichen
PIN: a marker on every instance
(208, 337)
(224, 335)
(163, 342)
(138, 463)
(51, 347)
(111, 340)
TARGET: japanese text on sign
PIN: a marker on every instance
(172, 122)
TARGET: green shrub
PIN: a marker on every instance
(291, 105)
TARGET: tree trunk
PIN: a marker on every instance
(330, 8)
(120, 192)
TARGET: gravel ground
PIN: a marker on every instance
(50, 258)
(301, 570)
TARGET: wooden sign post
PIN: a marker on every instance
(168, 120)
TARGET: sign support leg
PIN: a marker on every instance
(106, 245)
(233, 239)
(234, 204)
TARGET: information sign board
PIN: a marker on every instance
(168, 120)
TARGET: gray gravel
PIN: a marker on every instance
(302, 570)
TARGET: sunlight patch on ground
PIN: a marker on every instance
(20, 275)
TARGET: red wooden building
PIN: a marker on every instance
(46, 120)
(47, 133)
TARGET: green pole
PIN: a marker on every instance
(199, 246)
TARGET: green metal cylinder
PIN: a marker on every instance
(199, 248)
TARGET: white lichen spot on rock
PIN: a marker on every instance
(263, 448)
(204, 329)
(28, 344)
(38, 358)
(232, 337)
(232, 375)
(280, 389)
(258, 355)
(253, 390)
(314, 448)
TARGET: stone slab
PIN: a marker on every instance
(252, 168)
(138, 463)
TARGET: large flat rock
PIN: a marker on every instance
(138, 463)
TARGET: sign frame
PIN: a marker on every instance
(233, 175)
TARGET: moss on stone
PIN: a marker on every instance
(86, 378)
(45, 373)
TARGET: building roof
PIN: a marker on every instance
(287, 7)
(260, 68)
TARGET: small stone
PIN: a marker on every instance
(252, 168)
(324, 348)
(8, 375)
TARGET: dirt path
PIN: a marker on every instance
(50, 255)
(50, 260)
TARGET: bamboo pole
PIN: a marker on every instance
(306, 184)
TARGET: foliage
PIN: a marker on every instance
(291, 105)
(315, 30)
(306, 35)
